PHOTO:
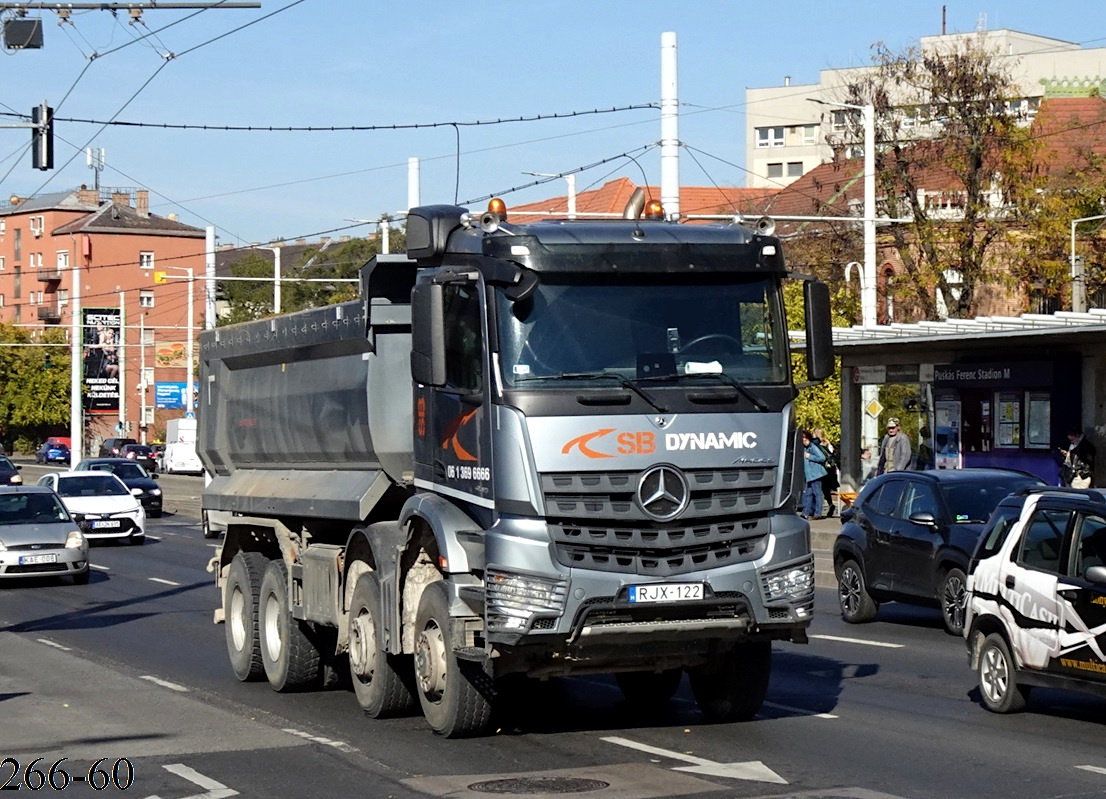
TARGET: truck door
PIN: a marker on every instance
(1082, 645)
(452, 431)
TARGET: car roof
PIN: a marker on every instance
(105, 460)
(969, 475)
(84, 473)
(26, 489)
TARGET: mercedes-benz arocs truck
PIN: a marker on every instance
(542, 449)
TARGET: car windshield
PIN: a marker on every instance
(91, 485)
(127, 471)
(975, 501)
(31, 509)
(656, 326)
(6, 464)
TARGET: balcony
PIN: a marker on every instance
(50, 314)
(48, 275)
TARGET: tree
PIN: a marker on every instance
(34, 385)
(945, 144)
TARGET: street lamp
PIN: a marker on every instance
(276, 273)
(1078, 278)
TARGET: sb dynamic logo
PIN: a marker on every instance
(597, 444)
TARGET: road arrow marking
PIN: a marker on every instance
(750, 770)
(215, 790)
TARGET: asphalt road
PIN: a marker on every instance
(132, 667)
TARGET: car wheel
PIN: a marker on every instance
(154, 514)
(857, 605)
(732, 686)
(649, 688)
(953, 596)
(81, 578)
(997, 678)
(382, 682)
(137, 540)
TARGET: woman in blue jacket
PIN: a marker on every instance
(814, 469)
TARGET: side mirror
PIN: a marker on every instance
(428, 334)
(924, 517)
(1096, 575)
(819, 330)
(153, 475)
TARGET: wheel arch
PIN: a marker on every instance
(983, 626)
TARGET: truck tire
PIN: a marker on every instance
(454, 693)
(997, 677)
(381, 681)
(732, 686)
(649, 688)
(291, 660)
(857, 605)
(952, 594)
(240, 594)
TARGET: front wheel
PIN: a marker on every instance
(454, 694)
(732, 686)
(649, 688)
(953, 596)
(291, 660)
(857, 605)
(997, 680)
(381, 681)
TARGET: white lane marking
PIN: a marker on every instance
(839, 638)
(750, 770)
(1095, 769)
(98, 566)
(48, 642)
(214, 790)
(164, 683)
(339, 745)
(799, 711)
(153, 537)
(159, 580)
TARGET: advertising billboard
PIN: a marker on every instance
(171, 395)
(102, 334)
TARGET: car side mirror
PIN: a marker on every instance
(847, 514)
(153, 475)
(924, 517)
(1096, 575)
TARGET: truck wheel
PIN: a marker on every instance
(732, 686)
(205, 525)
(240, 595)
(953, 595)
(857, 605)
(649, 687)
(381, 681)
(453, 693)
(997, 681)
(291, 660)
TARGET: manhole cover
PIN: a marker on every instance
(539, 785)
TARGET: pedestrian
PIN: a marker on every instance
(894, 450)
(926, 459)
(814, 471)
(867, 465)
(1077, 469)
(832, 481)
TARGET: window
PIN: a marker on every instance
(1044, 539)
(770, 137)
(1, 300)
(148, 339)
(465, 348)
(887, 499)
(810, 134)
(839, 119)
(148, 375)
(36, 224)
(1038, 419)
(1092, 545)
(1, 263)
(17, 245)
(1000, 524)
(775, 170)
(63, 296)
(794, 169)
(146, 299)
(918, 498)
(36, 258)
(3, 227)
(63, 259)
(146, 260)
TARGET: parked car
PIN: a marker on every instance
(909, 536)
(100, 504)
(38, 537)
(141, 483)
(9, 472)
(112, 447)
(53, 451)
(1036, 597)
(140, 454)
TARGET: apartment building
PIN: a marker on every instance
(786, 134)
(105, 249)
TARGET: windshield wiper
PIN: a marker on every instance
(624, 382)
(744, 390)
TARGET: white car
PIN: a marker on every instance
(101, 504)
(181, 458)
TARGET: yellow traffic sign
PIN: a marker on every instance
(873, 409)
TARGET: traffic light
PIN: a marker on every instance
(42, 137)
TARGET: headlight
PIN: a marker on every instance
(513, 599)
(790, 582)
(155, 492)
(17, 480)
(136, 491)
(75, 540)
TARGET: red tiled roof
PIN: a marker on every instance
(1069, 129)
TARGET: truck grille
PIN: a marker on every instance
(596, 523)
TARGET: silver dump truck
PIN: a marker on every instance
(536, 449)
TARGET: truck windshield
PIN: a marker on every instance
(651, 328)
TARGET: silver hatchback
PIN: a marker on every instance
(38, 538)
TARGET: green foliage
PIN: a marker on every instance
(34, 396)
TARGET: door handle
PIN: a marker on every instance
(1010, 581)
(1069, 594)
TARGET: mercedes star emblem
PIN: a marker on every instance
(663, 492)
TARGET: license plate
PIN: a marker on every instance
(666, 592)
(28, 559)
(105, 524)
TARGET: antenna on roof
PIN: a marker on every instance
(95, 159)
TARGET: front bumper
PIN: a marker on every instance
(101, 528)
(58, 561)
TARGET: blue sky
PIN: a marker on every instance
(328, 63)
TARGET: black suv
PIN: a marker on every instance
(1036, 599)
(113, 447)
(909, 536)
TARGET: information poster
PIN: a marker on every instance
(1009, 428)
(101, 337)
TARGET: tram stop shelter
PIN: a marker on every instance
(989, 391)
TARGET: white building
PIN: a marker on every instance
(785, 134)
